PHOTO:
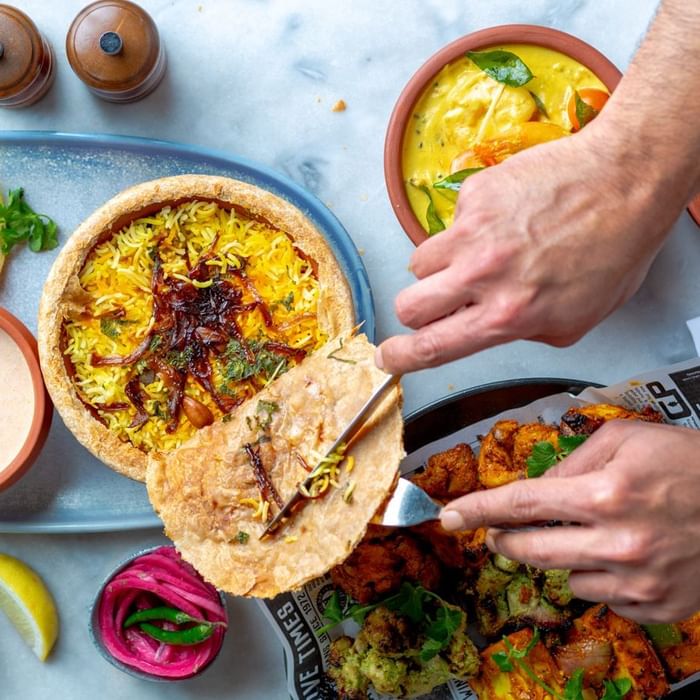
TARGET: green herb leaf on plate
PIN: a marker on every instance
(584, 112)
(454, 182)
(544, 455)
(19, 223)
(503, 66)
(542, 458)
(502, 660)
(573, 690)
(617, 688)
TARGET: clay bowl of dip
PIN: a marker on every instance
(26, 411)
(452, 108)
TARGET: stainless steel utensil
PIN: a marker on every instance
(409, 505)
(345, 437)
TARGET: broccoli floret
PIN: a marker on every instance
(344, 669)
(556, 586)
(385, 674)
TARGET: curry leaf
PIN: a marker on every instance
(454, 182)
(503, 66)
(584, 112)
(435, 223)
(539, 104)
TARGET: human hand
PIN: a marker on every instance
(633, 492)
(544, 246)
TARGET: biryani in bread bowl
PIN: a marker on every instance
(175, 302)
(216, 493)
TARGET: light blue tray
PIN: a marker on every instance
(68, 176)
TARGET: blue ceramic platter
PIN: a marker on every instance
(68, 176)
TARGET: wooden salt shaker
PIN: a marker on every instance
(26, 60)
(114, 48)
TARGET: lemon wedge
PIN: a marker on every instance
(27, 602)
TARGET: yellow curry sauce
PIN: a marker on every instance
(464, 107)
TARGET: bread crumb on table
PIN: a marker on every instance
(339, 106)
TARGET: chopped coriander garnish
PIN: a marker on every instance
(180, 359)
(242, 537)
(110, 327)
(411, 601)
(544, 455)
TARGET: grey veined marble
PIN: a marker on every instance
(258, 78)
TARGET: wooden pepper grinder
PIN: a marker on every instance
(26, 60)
(114, 48)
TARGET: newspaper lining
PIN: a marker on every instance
(673, 391)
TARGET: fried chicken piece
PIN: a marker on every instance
(449, 474)
(682, 660)
(633, 656)
(461, 549)
(377, 567)
(494, 684)
(584, 420)
(495, 465)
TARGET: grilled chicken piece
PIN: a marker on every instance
(494, 684)
(584, 420)
(449, 474)
(504, 451)
(682, 660)
(633, 656)
(496, 455)
(378, 565)
(525, 438)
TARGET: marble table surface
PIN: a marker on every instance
(258, 78)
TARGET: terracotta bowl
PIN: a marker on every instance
(694, 209)
(505, 34)
(43, 408)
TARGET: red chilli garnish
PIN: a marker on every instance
(267, 489)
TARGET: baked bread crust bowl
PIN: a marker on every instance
(64, 298)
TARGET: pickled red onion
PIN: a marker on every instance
(151, 580)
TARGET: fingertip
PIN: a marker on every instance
(451, 519)
(378, 358)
